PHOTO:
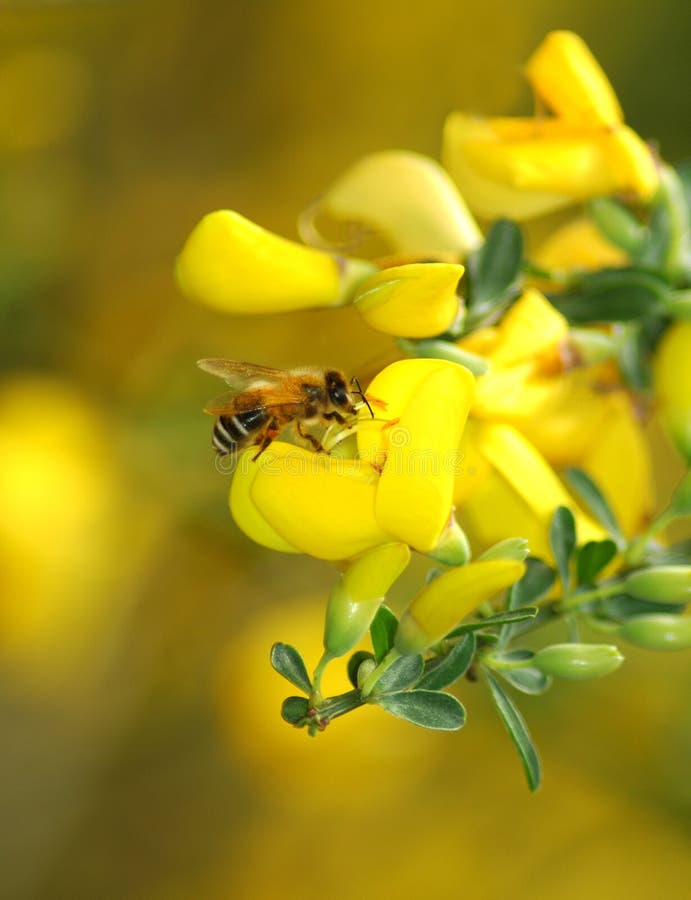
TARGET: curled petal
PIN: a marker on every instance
(567, 77)
(523, 168)
(428, 401)
(318, 505)
(416, 300)
(236, 266)
(409, 199)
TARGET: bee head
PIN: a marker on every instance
(338, 392)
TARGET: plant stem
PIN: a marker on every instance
(573, 601)
(376, 674)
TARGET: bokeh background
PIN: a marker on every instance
(141, 753)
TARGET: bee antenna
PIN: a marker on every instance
(358, 390)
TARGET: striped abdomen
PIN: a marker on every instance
(232, 432)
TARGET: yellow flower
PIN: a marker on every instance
(566, 76)
(522, 168)
(507, 488)
(407, 198)
(443, 603)
(417, 300)
(525, 167)
(400, 489)
(672, 370)
(572, 416)
(235, 266)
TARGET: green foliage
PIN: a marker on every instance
(518, 732)
(429, 709)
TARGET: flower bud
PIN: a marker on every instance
(414, 301)
(658, 632)
(672, 376)
(453, 548)
(441, 604)
(407, 198)
(361, 589)
(660, 584)
(233, 265)
(578, 661)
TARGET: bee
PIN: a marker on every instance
(262, 401)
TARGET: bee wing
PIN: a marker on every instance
(241, 375)
(227, 404)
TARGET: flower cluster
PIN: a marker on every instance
(510, 442)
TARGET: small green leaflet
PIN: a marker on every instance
(444, 670)
(429, 709)
(562, 540)
(528, 680)
(294, 709)
(592, 496)
(287, 662)
(592, 558)
(354, 663)
(382, 632)
(517, 730)
(495, 269)
(404, 672)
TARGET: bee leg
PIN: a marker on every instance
(305, 435)
(337, 417)
(270, 432)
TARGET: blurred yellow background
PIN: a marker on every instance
(142, 755)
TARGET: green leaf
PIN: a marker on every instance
(562, 540)
(382, 631)
(592, 558)
(502, 618)
(354, 663)
(495, 269)
(632, 356)
(528, 680)
(404, 672)
(429, 709)
(444, 670)
(535, 584)
(622, 607)
(517, 730)
(591, 495)
(294, 709)
(287, 662)
(613, 295)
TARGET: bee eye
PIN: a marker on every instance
(339, 396)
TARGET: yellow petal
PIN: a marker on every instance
(233, 265)
(619, 462)
(414, 495)
(672, 370)
(527, 167)
(443, 603)
(410, 199)
(487, 195)
(567, 77)
(519, 494)
(244, 511)
(578, 245)
(319, 505)
(531, 326)
(417, 300)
